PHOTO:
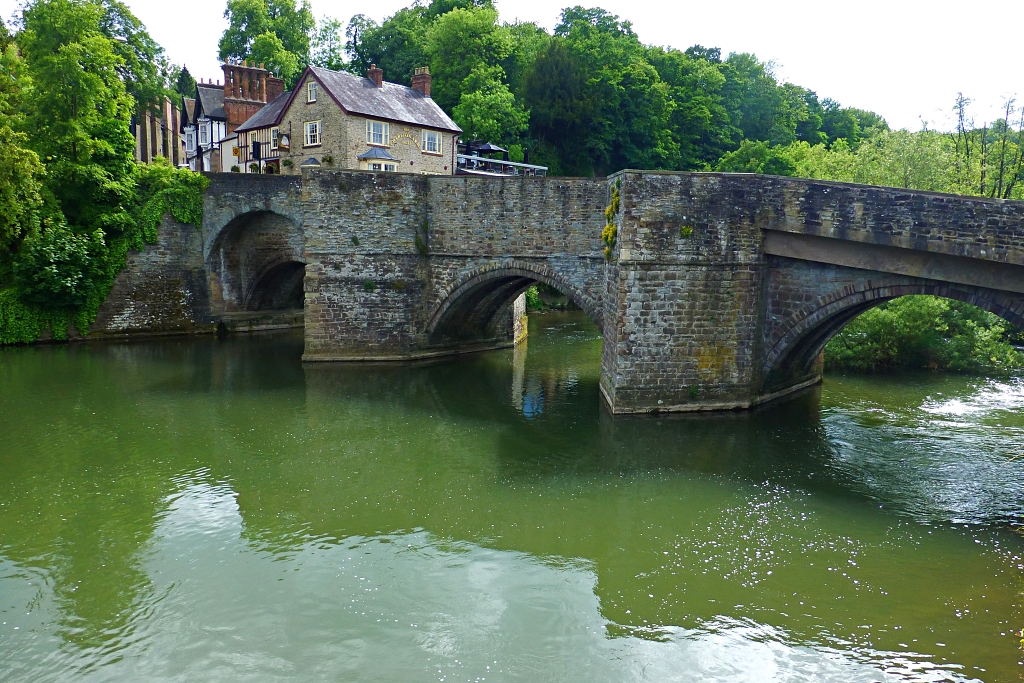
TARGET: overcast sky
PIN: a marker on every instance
(904, 59)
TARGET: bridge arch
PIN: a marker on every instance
(480, 299)
(792, 350)
(256, 262)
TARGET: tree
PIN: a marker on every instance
(184, 84)
(488, 109)
(699, 122)
(758, 157)
(397, 46)
(462, 41)
(78, 125)
(250, 22)
(555, 90)
(328, 47)
(267, 49)
(20, 169)
(143, 67)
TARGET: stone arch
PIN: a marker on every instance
(250, 253)
(792, 350)
(480, 298)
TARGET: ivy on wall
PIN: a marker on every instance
(61, 277)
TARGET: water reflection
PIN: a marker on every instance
(412, 607)
(199, 510)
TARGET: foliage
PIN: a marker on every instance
(925, 332)
(184, 84)
(757, 157)
(142, 65)
(273, 32)
(610, 233)
(327, 48)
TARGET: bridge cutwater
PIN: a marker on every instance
(720, 290)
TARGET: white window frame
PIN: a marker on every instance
(204, 134)
(428, 137)
(384, 135)
(383, 166)
(311, 91)
(312, 140)
(275, 134)
(190, 140)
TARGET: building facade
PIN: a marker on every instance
(208, 122)
(338, 120)
(159, 134)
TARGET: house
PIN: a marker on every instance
(218, 110)
(339, 120)
(262, 129)
(209, 125)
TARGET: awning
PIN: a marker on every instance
(376, 153)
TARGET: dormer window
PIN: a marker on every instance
(311, 88)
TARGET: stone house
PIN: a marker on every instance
(339, 120)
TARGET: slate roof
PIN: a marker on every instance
(188, 111)
(211, 101)
(360, 95)
(376, 153)
(270, 115)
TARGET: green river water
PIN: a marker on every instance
(198, 510)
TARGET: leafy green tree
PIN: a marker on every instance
(20, 168)
(250, 22)
(758, 157)
(528, 41)
(328, 46)
(184, 83)
(627, 124)
(699, 122)
(79, 120)
(917, 332)
(398, 45)
(142, 66)
(460, 42)
(267, 49)
(488, 109)
(555, 90)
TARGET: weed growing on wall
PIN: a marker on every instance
(610, 234)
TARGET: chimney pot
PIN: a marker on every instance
(376, 75)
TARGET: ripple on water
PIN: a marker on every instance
(407, 607)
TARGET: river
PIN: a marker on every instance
(201, 510)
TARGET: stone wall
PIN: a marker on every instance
(162, 289)
(393, 258)
(686, 295)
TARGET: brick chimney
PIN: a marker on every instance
(275, 88)
(376, 75)
(421, 80)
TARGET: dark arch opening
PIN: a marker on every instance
(278, 289)
(255, 263)
(797, 355)
(482, 308)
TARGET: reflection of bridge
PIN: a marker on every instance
(720, 292)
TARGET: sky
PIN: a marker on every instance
(903, 59)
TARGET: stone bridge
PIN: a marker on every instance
(720, 293)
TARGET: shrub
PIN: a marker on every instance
(925, 332)
(235, 169)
